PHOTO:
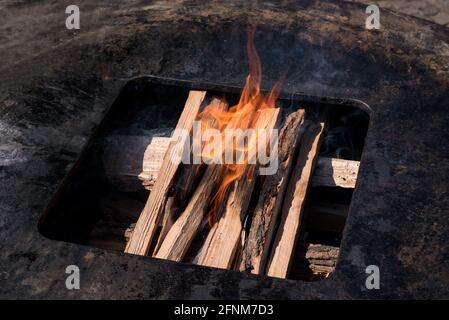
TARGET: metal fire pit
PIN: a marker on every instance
(57, 85)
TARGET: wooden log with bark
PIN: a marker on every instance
(313, 261)
(292, 210)
(265, 215)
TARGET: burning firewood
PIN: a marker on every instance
(224, 237)
(287, 234)
(184, 180)
(221, 192)
(313, 261)
(177, 241)
(145, 228)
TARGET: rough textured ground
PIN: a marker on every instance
(432, 10)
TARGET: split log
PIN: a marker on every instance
(329, 172)
(320, 255)
(223, 239)
(335, 173)
(184, 183)
(145, 228)
(183, 231)
(152, 160)
(287, 233)
(133, 161)
(265, 216)
(238, 256)
(179, 190)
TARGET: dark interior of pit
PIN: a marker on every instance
(97, 208)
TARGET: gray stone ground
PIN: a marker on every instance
(433, 10)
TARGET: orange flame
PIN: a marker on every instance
(241, 116)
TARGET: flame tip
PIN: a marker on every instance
(240, 116)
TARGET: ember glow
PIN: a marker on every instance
(243, 116)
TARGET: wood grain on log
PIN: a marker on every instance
(179, 237)
(335, 173)
(265, 216)
(184, 183)
(223, 239)
(145, 228)
(127, 165)
(329, 172)
(287, 233)
(182, 233)
(152, 160)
